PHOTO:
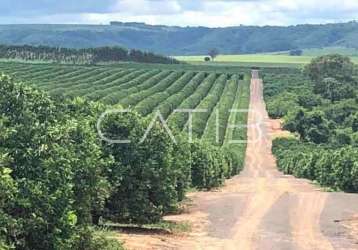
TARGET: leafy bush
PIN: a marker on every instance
(282, 105)
(342, 137)
(335, 168)
(94, 239)
(311, 126)
(144, 176)
(355, 122)
(8, 192)
(55, 165)
(209, 168)
(324, 117)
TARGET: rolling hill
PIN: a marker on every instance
(173, 40)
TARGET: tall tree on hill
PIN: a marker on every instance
(213, 53)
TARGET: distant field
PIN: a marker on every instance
(260, 59)
(252, 58)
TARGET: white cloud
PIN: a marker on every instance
(213, 13)
(145, 7)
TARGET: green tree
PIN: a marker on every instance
(330, 66)
(311, 126)
(213, 53)
(309, 100)
(342, 138)
(335, 91)
(341, 111)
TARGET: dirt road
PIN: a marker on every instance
(262, 208)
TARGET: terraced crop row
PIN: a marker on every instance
(159, 100)
(218, 122)
(208, 104)
(148, 90)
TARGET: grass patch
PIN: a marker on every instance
(162, 227)
(278, 59)
(103, 238)
(252, 58)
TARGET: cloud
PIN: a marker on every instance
(56, 7)
(213, 13)
(145, 7)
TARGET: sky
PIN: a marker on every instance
(210, 13)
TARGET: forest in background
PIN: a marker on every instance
(81, 56)
(172, 40)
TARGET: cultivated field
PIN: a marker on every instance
(264, 60)
(147, 89)
(243, 212)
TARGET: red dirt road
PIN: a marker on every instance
(262, 208)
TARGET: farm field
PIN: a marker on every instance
(143, 124)
(212, 159)
(147, 89)
(238, 172)
(150, 174)
(263, 60)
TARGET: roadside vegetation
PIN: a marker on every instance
(320, 106)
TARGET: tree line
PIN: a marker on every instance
(81, 56)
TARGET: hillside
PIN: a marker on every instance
(172, 40)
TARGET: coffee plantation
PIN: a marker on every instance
(60, 180)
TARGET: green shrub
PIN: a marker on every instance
(8, 192)
(55, 164)
(94, 239)
(335, 168)
(209, 167)
(144, 176)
